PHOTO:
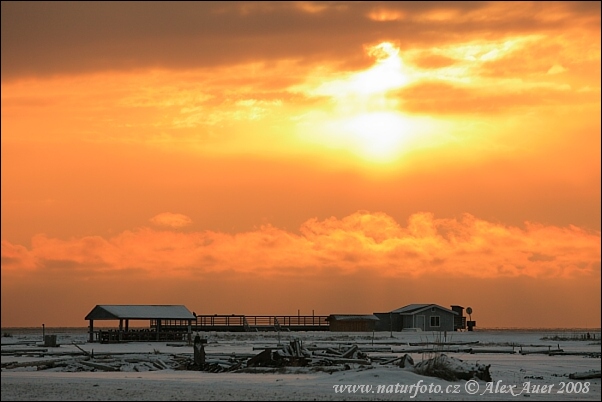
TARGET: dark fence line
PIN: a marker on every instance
(246, 322)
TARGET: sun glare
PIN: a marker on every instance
(378, 136)
(385, 75)
(366, 119)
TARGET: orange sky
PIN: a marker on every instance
(265, 158)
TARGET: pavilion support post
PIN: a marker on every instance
(158, 328)
(189, 337)
(127, 325)
(91, 329)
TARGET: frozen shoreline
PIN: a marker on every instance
(536, 370)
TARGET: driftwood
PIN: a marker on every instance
(563, 353)
(8, 351)
(296, 355)
(85, 352)
(271, 358)
(221, 367)
(477, 350)
(391, 361)
(452, 369)
(402, 361)
(349, 352)
(540, 352)
(289, 355)
(341, 360)
(99, 366)
(151, 366)
(431, 350)
(375, 348)
(406, 361)
(443, 343)
(363, 348)
(586, 375)
(326, 354)
(160, 364)
(135, 361)
(217, 355)
(42, 363)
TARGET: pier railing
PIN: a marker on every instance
(260, 322)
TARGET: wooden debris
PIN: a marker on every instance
(135, 360)
(402, 361)
(334, 352)
(99, 366)
(350, 352)
(363, 348)
(160, 364)
(85, 352)
(431, 350)
(289, 355)
(42, 363)
(391, 361)
(342, 360)
(406, 361)
(563, 353)
(443, 343)
(10, 351)
(452, 369)
(501, 350)
(295, 354)
(540, 352)
(586, 375)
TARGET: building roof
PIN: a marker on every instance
(139, 312)
(352, 317)
(412, 309)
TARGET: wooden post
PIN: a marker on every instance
(199, 352)
(91, 327)
(189, 336)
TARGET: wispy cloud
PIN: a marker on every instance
(171, 220)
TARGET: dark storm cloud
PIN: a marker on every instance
(42, 38)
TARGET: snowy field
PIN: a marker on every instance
(532, 364)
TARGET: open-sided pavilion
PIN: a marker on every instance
(167, 322)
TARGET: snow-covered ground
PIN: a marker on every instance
(152, 370)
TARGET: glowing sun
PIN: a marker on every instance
(366, 119)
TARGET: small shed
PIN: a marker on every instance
(166, 322)
(352, 322)
(459, 319)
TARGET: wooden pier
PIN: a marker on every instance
(259, 323)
